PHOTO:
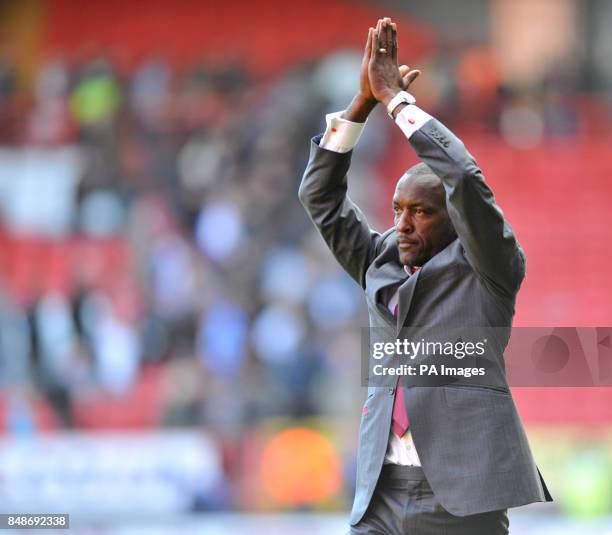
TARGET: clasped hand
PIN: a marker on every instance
(381, 78)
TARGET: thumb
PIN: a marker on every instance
(404, 70)
(409, 77)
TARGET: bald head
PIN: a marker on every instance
(421, 220)
(421, 176)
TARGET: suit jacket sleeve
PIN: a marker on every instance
(323, 193)
(488, 240)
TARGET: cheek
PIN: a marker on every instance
(430, 233)
(424, 230)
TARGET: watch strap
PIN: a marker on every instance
(402, 96)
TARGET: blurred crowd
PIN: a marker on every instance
(191, 177)
(214, 279)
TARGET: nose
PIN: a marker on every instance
(403, 222)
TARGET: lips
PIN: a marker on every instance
(406, 244)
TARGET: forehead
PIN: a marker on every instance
(427, 188)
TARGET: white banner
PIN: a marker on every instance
(123, 472)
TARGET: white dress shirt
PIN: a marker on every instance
(342, 136)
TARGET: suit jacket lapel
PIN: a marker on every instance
(389, 273)
(406, 291)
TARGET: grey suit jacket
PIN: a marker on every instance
(470, 439)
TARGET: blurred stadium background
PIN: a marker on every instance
(178, 351)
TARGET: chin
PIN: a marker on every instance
(406, 260)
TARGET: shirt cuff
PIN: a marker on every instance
(411, 119)
(341, 135)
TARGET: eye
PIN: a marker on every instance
(419, 211)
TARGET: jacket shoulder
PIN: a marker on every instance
(384, 240)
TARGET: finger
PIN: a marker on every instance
(379, 29)
(368, 47)
(404, 70)
(394, 46)
(382, 34)
(376, 43)
(388, 35)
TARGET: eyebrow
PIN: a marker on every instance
(418, 204)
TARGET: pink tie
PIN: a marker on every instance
(400, 415)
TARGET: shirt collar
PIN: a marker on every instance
(411, 269)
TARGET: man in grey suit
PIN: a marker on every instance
(446, 459)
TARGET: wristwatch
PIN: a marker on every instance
(402, 96)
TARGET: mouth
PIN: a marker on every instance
(406, 244)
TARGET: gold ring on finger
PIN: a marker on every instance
(382, 50)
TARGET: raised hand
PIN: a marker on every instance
(385, 78)
(365, 100)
